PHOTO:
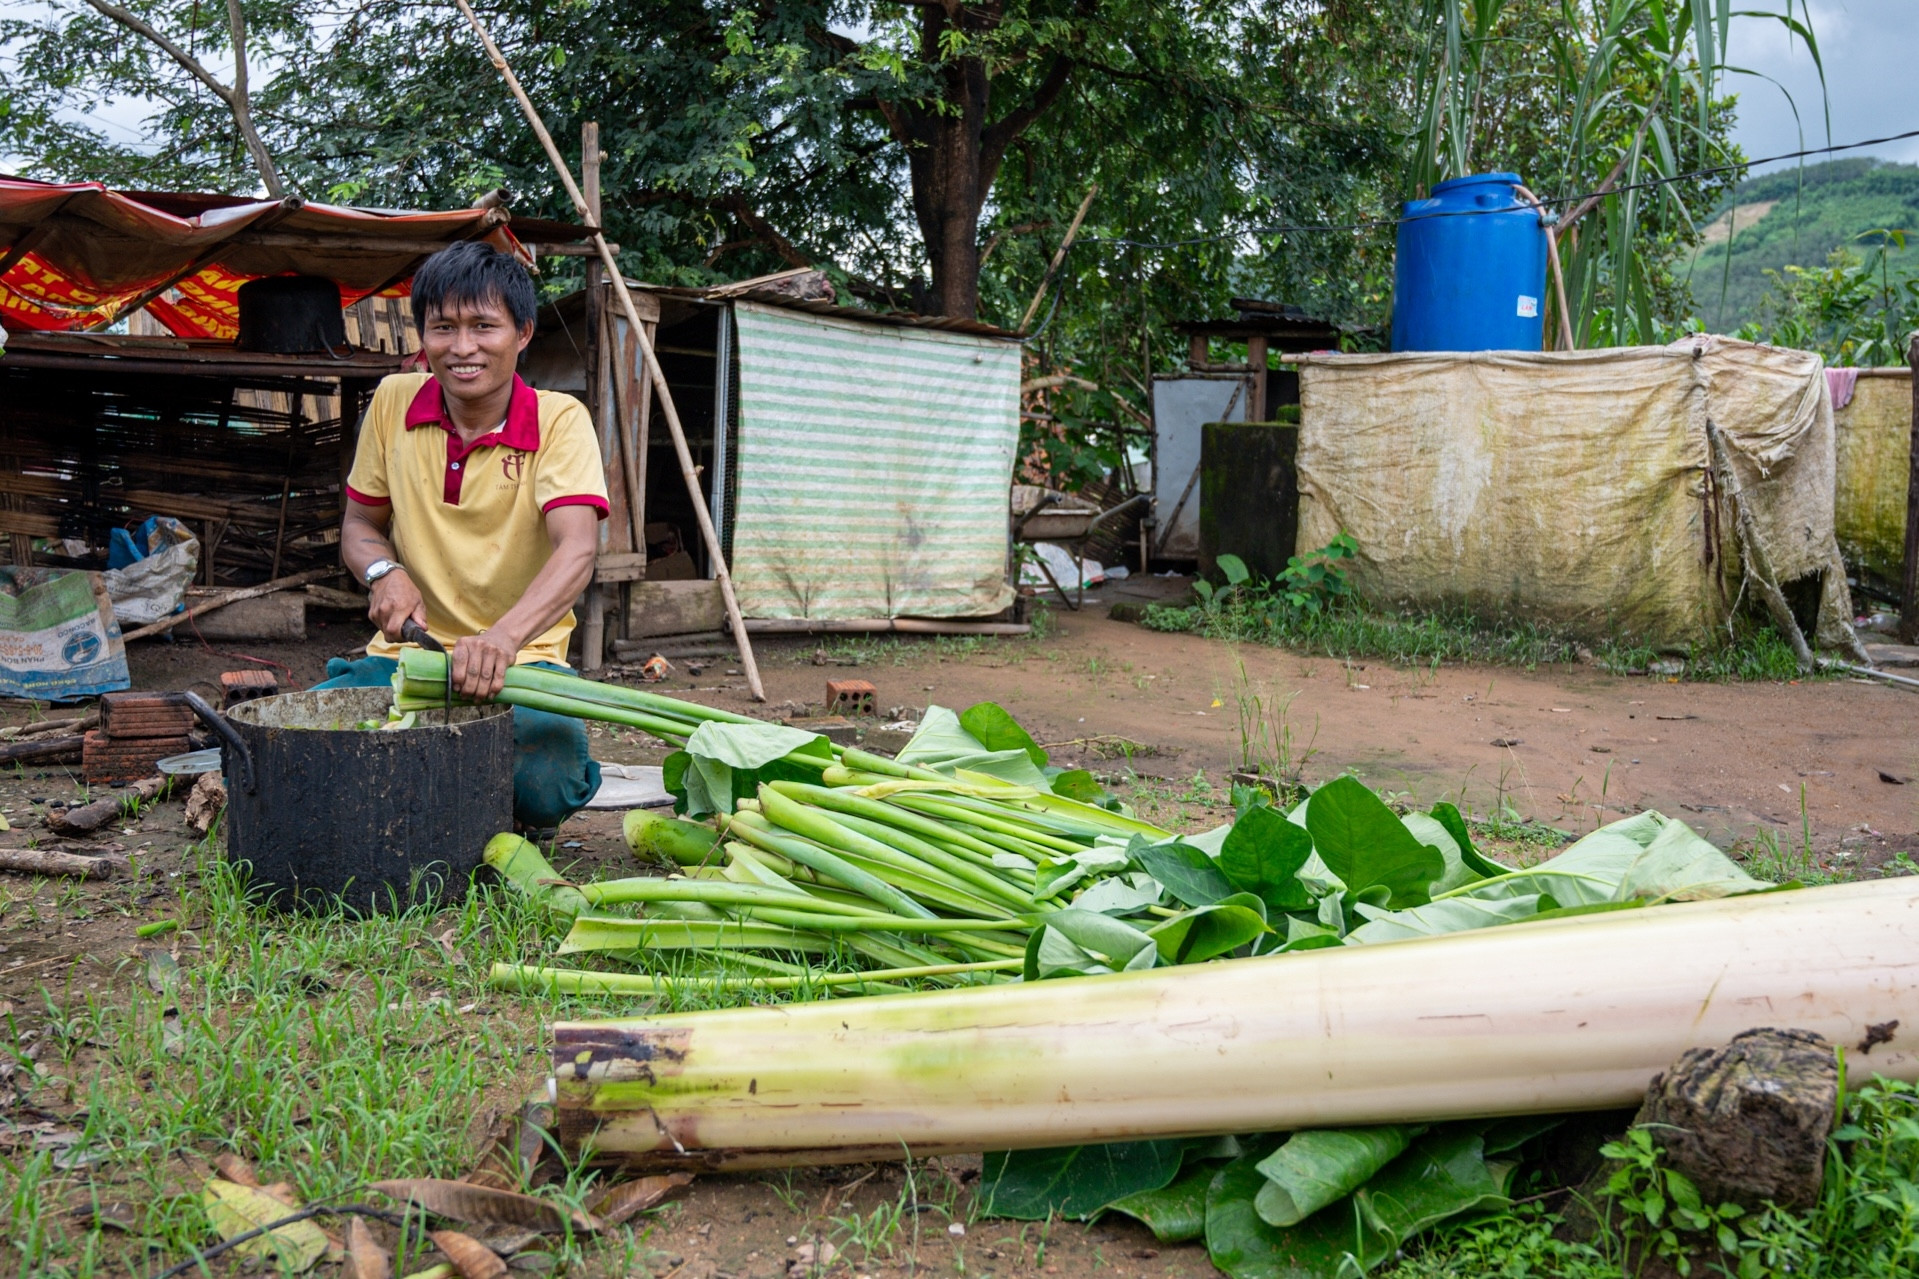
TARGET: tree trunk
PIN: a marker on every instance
(945, 152)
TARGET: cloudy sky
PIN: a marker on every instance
(1871, 53)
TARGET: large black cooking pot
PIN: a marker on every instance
(327, 813)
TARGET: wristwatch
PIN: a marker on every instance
(379, 569)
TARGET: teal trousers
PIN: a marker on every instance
(553, 775)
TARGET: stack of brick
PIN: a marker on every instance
(137, 730)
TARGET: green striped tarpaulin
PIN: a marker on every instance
(873, 468)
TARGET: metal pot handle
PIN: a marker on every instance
(236, 747)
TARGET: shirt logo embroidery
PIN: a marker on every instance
(513, 464)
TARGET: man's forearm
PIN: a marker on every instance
(362, 542)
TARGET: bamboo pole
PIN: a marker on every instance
(668, 410)
(1584, 1012)
(593, 627)
(1059, 256)
(1909, 571)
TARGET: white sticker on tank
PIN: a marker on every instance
(1528, 307)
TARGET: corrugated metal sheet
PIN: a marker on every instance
(874, 465)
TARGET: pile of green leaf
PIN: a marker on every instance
(969, 857)
(1340, 870)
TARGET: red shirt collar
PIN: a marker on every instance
(522, 427)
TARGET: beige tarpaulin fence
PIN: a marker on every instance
(1873, 435)
(1579, 489)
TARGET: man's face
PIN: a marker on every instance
(473, 348)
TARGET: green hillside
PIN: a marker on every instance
(1798, 216)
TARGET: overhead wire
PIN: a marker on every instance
(1376, 223)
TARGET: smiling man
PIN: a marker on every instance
(473, 508)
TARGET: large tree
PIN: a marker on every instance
(743, 136)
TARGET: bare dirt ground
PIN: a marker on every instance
(1569, 746)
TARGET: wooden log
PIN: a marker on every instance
(41, 748)
(1583, 1013)
(221, 601)
(1748, 1122)
(87, 818)
(42, 861)
(331, 597)
(73, 724)
(282, 617)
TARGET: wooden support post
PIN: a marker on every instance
(593, 633)
(668, 410)
(1197, 351)
(1909, 576)
(1256, 393)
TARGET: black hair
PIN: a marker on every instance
(471, 273)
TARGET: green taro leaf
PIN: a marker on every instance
(1448, 815)
(1058, 873)
(1587, 873)
(996, 730)
(1680, 866)
(1120, 894)
(1074, 1181)
(941, 743)
(1365, 844)
(673, 778)
(1443, 1175)
(1205, 932)
(1504, 1135)
(1185, 872)
(1337, 1243)
(1305, 934)
(1174, 1213)
(1453, 915)
(1321, 1166)
(1262, 855)
(727, 762)
(1079, 784)
(1431, 833)
(1078, 943)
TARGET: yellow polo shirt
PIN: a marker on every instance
(469, 524)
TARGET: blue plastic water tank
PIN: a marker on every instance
(1470, 274)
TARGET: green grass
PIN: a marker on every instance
(1754, 652)
(329, 1051)
(1865, 1225)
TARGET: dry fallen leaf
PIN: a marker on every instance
(365, 1258)
(235, 1209)
(489, 1179)
(473, 1259)
(482, 1205)
(508, 1242)
(630, 1198)
(236, 1170)
(117, 1213)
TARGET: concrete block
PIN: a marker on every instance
(674, 608)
